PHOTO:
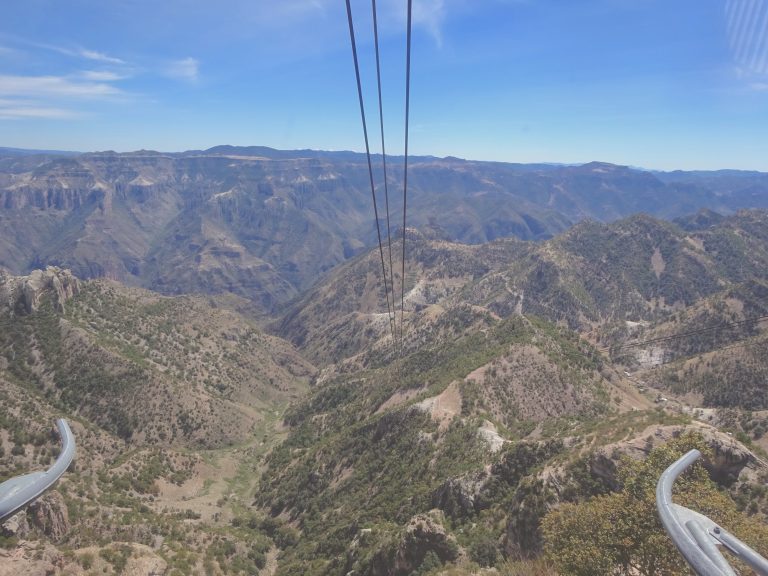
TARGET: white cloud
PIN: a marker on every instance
(102, 75)
(430, 14)
(85, 53)
(20, 113)
(184, 69)
(28, 109)
(427, 14)
(54, 96)
(99, 56)
(54, 86)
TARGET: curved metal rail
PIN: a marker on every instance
(22, 490)
(696, 536)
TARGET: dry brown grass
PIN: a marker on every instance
(528, 568)
(537, 567)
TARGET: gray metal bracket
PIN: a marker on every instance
(696, 536)
(22, 490)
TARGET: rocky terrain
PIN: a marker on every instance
(265, 224)
(634, 279)
(252, 414)
(171, 400)
(521, 357)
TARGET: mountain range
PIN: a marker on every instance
(265, 224)
(214, 326)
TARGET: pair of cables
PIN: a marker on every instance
(713, 328)
(389, 279)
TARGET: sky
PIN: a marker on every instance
(661, 84)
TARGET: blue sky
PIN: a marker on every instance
(655, 83)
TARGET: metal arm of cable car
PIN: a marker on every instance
(22, 490)
(696, 536)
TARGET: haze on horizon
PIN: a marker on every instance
(680, 85)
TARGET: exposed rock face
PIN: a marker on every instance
(424, 534)
(16, 525)
(23, 294)
(533, 494)
(732, 461)
(460, 496)
(533, 498)
(49, 514)
(491, 436)
(130, 217)
(30, 559)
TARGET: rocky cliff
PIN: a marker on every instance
(23, 294)
(266, 224)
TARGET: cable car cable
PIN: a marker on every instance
(405, 169)
(384, 163)
(715, 327)
(370, 169)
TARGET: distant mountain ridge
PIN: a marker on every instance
(5, 151)
(266, 224)
(593, 278)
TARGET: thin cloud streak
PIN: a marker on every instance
(78, 52)
(99, 56)
(30, 113)
(6, 51)
(430, 14)
(54, 86)
(102, 76)
(57, 96)
(11, 109)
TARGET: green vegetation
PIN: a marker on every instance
(620, 533)
(348, 465)
(117, 556)
(494, 439)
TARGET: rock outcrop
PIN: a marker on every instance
(31, 559)
(424, 537)
(49, 515)
(461, 497)
(16, 526)
(535, 495)
(732, 461)
(24, 294)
